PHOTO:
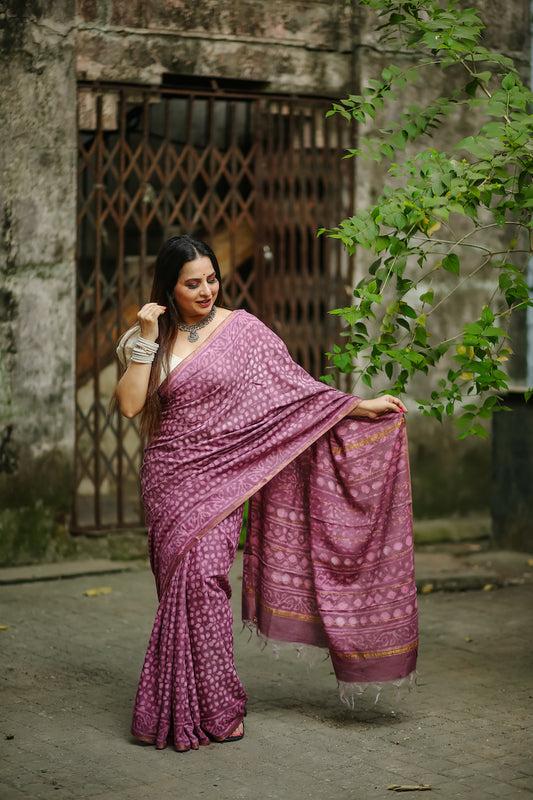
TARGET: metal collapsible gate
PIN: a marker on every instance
(255, 176)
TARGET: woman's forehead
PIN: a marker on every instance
(199, 268)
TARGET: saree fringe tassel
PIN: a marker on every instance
(314, 656)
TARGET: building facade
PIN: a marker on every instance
(124, 123)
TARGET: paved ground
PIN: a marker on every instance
(69, 665)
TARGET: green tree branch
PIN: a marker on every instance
(485, 178)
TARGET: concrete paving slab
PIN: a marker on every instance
(466, 567)
(64, 569)
(69, 666)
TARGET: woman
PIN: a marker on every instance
(229, 416)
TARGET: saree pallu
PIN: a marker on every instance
(241, 419)
(329, 554)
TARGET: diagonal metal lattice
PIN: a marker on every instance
(256, 176)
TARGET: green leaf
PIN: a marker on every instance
(494, 129)
(487, 316)
(381, 243)
(479, 146)
(396, 19)
(475, 430)
(504, 282)
(428, 297)
(400, 220)
(407, 310)
(421, 335)
(451, 263)
(494, 331)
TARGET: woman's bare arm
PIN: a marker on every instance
(132, 388)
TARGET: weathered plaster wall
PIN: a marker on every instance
(290, 46)
(37, 207)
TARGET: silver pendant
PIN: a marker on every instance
(193, 329)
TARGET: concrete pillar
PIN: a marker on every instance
(37, 274)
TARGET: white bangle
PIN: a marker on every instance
(144, 351)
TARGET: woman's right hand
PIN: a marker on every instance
(148, 320)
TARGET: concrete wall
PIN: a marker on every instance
(290, 46)
(37, 320)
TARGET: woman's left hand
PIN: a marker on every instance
(378, 406)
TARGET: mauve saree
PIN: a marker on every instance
(329, 556)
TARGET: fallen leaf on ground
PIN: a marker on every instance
(468, 639)
(488, 587)
(3, 627)
(421, 787)
(530, 562)
(96, 592)
(427, 588)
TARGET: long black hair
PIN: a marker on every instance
(174, 253)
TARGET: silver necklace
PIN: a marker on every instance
(195, 327)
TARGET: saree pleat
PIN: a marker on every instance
(189, 692)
